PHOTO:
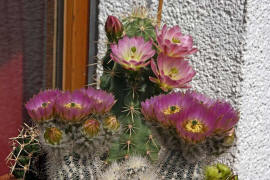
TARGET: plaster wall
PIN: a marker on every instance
(232, 63)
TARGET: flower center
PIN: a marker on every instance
(133, 49)
(172, 110)
(195, 126)
(45, 104)
(73, 105)
(175, 40)
(173, 72)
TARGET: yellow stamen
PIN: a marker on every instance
(195, 126)
(73, 105)
(173, 72)
(172, 110)
(175, 40)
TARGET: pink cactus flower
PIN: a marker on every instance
(201, 98)
(73, 107)
(226, 116)
(171, 105)
(41, 107)
(195, 124)
(173, 43)
(132, 53)
(147, 108)
(102, 101)
(171, 72)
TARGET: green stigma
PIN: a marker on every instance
(173, 108)
(194, 122)
(72, 104)
(44, 105)
(133, 49)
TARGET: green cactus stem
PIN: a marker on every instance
(23, 157)
(130, 88)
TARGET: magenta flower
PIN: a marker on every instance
(132, 53)
(41, 106)
(226, 117)
(201, 98)
(195, 124)
(73, 107)
(171, 72)
(171, 105)
(173, 43)
(147, 108)
(102, 101)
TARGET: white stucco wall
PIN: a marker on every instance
(253, 157)
(232, 63)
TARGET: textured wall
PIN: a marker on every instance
(254, 127)
(224, 68)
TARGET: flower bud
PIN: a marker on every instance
(113, 28)
(91, 127)
(111, 123)
(211, 173)
(224, 170)
(53, 135)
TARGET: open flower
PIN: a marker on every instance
(173, 43)
(226, 116)
(41, 106)
(132, 53)
(73, 107)
(171, 105)
(201, 98)
(171, 72)
(102, 101)
(147, 108)
(195, 124)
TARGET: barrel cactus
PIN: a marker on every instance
(76, 129)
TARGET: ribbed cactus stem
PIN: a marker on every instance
(26, 149)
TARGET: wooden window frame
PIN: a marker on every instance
(75, 43)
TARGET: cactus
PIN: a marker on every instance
(75, 130)
(139, 25)
(130, 88)
(135, 168)
(74, 166)
(25, 151)
(73, 151)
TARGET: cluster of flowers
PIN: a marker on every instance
(83, 106)
(194, 116)
(171, 69)
(70, 107)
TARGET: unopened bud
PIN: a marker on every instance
(53, 135)
(113, 28)
(91, 127)
(211, 173)
(224, 170)
(111, 123)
